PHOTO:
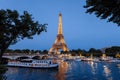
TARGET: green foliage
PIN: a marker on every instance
(105, 9)
(45, 51)
(24, 51)
(92, 50)
(15, 27)
(114, 49)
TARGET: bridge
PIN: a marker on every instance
(23, 55)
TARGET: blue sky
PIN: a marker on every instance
(80, 30)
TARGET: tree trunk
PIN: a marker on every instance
(3, 49)
(2, 52)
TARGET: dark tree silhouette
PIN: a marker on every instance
(105, 9)
(113, 49)
(15, 27)
(92, 50)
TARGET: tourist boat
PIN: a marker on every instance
(77, 59)
(31, 63)
(113, 60)
(86, 59)
(109, 59)
(105, 58)
(96, 60)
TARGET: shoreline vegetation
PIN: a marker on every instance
(113, 51)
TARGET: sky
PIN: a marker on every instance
(80, 30)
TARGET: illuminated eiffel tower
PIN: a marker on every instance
(59, 43)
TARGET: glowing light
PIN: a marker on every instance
(59, 42)
(106, 70)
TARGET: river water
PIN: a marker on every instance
(70, 70)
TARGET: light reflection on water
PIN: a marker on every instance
(68, 71)
(62, 70)
(106, 70)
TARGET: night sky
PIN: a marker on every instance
(80, 30)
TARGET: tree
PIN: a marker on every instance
(113, 49)
(3, 69)
(105, 9)
(15, 27)
(92, 50)
(45, 51)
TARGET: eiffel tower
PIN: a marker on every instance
(59, 43)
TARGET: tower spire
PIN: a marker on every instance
(59, 42)
(60, 24)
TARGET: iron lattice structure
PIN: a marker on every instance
(59, 43)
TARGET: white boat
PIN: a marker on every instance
(96, 60)
(113, 60)
(87, 59)
(77, 59)
(46, 63)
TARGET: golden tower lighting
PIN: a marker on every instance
(59, 43)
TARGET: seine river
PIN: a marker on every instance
(68, 71)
